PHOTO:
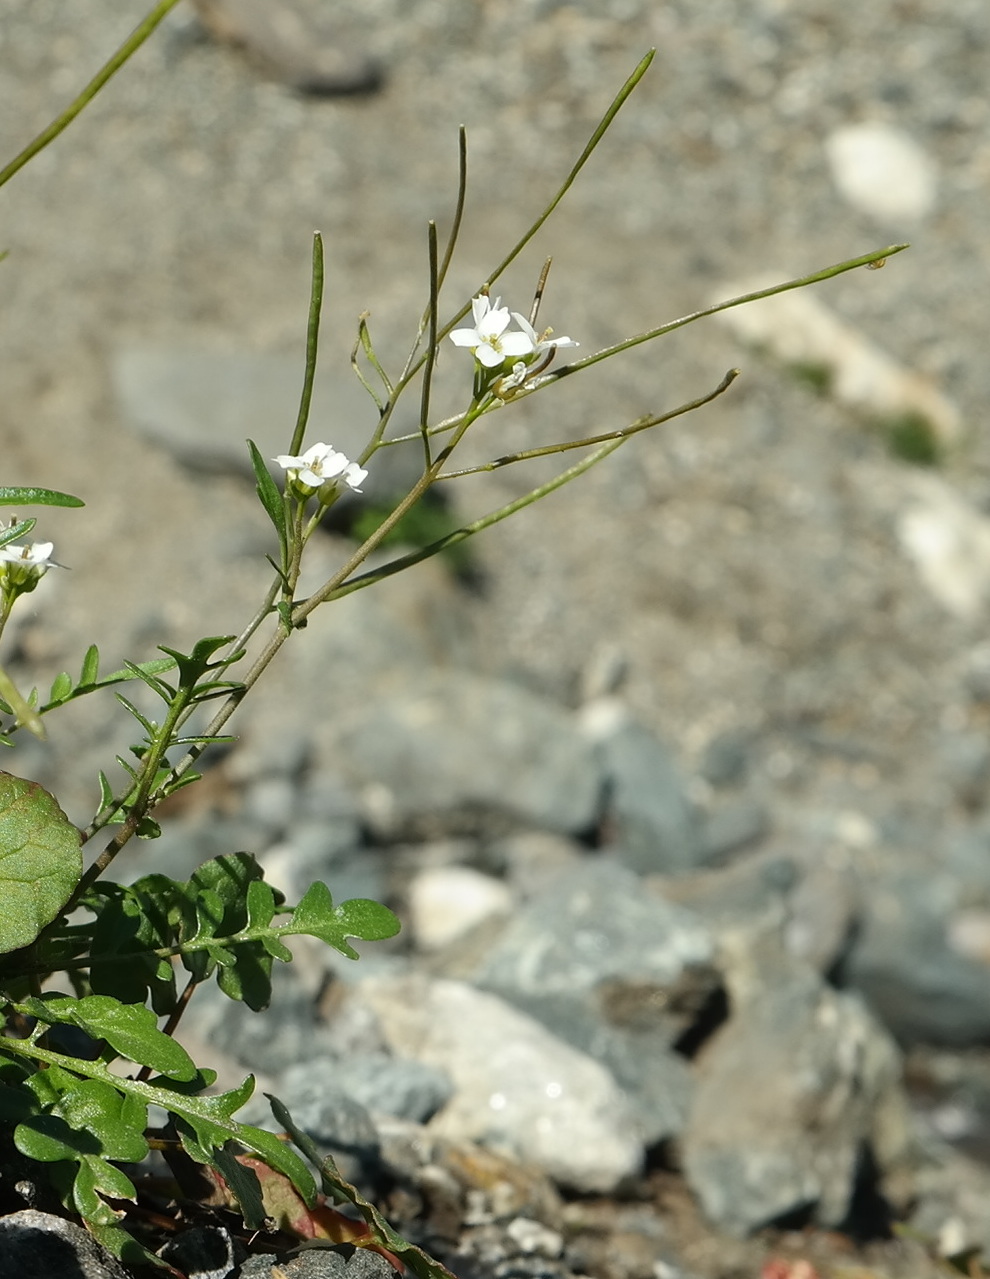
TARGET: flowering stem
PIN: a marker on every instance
(109, 69)
(413, 366)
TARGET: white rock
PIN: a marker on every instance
(949, 542)
(518, 1088)
(446, 902)
(882, 172)
(801, 331)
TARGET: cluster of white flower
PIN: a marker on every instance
(492, 345)
(320, 465)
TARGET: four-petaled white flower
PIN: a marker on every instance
(488, 340)
(322, 464)
(36, 555)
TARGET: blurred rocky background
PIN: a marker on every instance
(680, 779)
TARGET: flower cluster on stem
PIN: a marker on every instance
(495, 346)
(321, 469)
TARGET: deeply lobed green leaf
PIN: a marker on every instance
(317, 916)
(131, 1030)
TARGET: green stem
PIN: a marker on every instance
(771, 291)
(312, 345)
(140, 806)
(478, 526)
(622, 433)
(108, 70)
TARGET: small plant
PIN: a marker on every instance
(134, 955)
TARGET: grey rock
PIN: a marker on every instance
(731, 827)
(751, 889)
(965, 762)
(596, 938)
(327, 850)
(202, 405)
(531, 860)
(202, 1252)
(320, 1263)
(458, 749)
(616, 971)
(293, 41)
(951, 1196)
(327, 1111)
(271, 802)
(394, 1086)
(651, 823)
(378, 1083)
(260, 1266)
(883, 172)
(37, 1245)
(518, 1088)
(788, 1094)
(725, 758)
(813, 898)
(904, 962)
(492, 1186)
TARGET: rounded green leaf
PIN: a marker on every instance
(40, 860)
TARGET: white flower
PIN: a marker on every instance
(544, 343)
(21, 569)
(36, 555)
(319, 465)
(488, 340)
(354, 475)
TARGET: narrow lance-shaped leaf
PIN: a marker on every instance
(30, 496)
(271, 498)
(14, 531)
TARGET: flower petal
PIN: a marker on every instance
(489, 356)
(494, 323)
(516, 344)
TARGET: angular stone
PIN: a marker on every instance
(518, 1088)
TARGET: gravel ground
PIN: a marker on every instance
(742, 559)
